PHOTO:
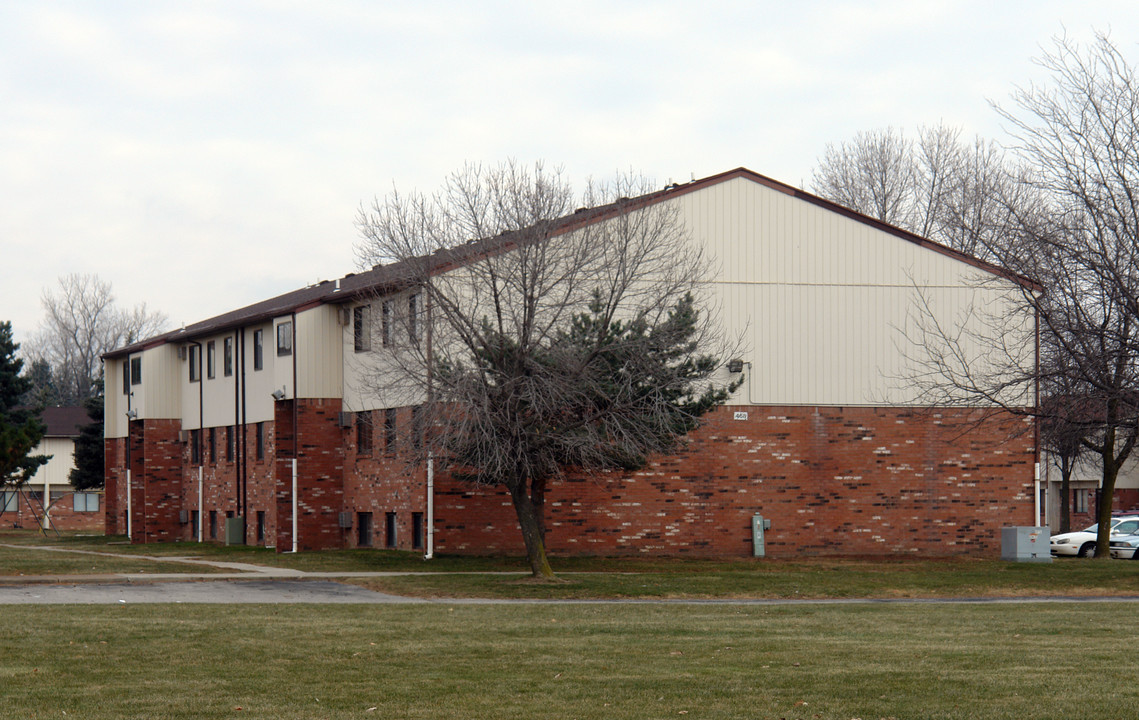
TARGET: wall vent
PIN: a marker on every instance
(345, 519)
(345, 419)
(344, 315)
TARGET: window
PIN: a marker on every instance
(386, 323)
(9, 501)
(195, 363)
(211, 360)
(230, 443)
(389, 431)
(213, 446)
(85, 502)
(136, 370)
(126, 376)
(260, 440)
(260, 526)
(213, 524)
(389, 530)
(196, 447)
(417, 413)
(1080, 501)
(361, 332)
(227, 356)
(364, 529)
(413, 318)
(258, 350)
(364, 433)
(285, 339)
(193, 524)
(417, 530)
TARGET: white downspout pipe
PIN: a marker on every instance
(430, 507)
(45, 521)
(294, 504)
(129, 513)
(1036, 494)
(200, 502)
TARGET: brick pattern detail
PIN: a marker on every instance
(156, 480)
(114, 486)
(849, 481)
(320, 473)
(382, 481)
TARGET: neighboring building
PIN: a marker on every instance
(51, 486)
(1083, 490)
(260, 413)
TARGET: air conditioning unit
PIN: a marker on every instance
(345, 419)
(344, 315)
(183, 436)
(345, 519)
(182, 352)
(184, 516)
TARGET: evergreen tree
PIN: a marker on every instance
(20, 428)
(88, 471)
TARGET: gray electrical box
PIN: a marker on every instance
(1026, 544)
(235, 531)
(758, 525)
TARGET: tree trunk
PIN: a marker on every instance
(531, 531)
(1066, 495)
(1111, 463)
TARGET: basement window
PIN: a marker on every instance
(86, 502)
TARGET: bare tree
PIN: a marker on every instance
(938, 187)
(873, 173)
(1079, 135)
(81, 323)
(549, 340)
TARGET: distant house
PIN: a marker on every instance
(252, 426)
(51, 486)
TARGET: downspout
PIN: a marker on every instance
(244, 453)
(127, 360)
(296, 430)
(430, 544)
(236, 425)
(201, 431)
(1036, 425)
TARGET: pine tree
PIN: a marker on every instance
(20, 428)
(88, 471)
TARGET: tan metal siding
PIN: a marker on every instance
(822, 300)
(320, 359)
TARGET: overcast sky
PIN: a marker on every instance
(201, 156)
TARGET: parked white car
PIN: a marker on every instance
(1081, 543)
(1123, 548)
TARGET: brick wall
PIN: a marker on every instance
(156, 480)
(320, 473)
(875, 481)
(114, 486)
(381, 481)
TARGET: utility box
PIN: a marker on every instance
(1026, 544)
(758, 525)
(235, 531)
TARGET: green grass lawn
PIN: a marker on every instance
(570, 661)
(581, 578)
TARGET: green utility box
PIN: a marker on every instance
(235, 531)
